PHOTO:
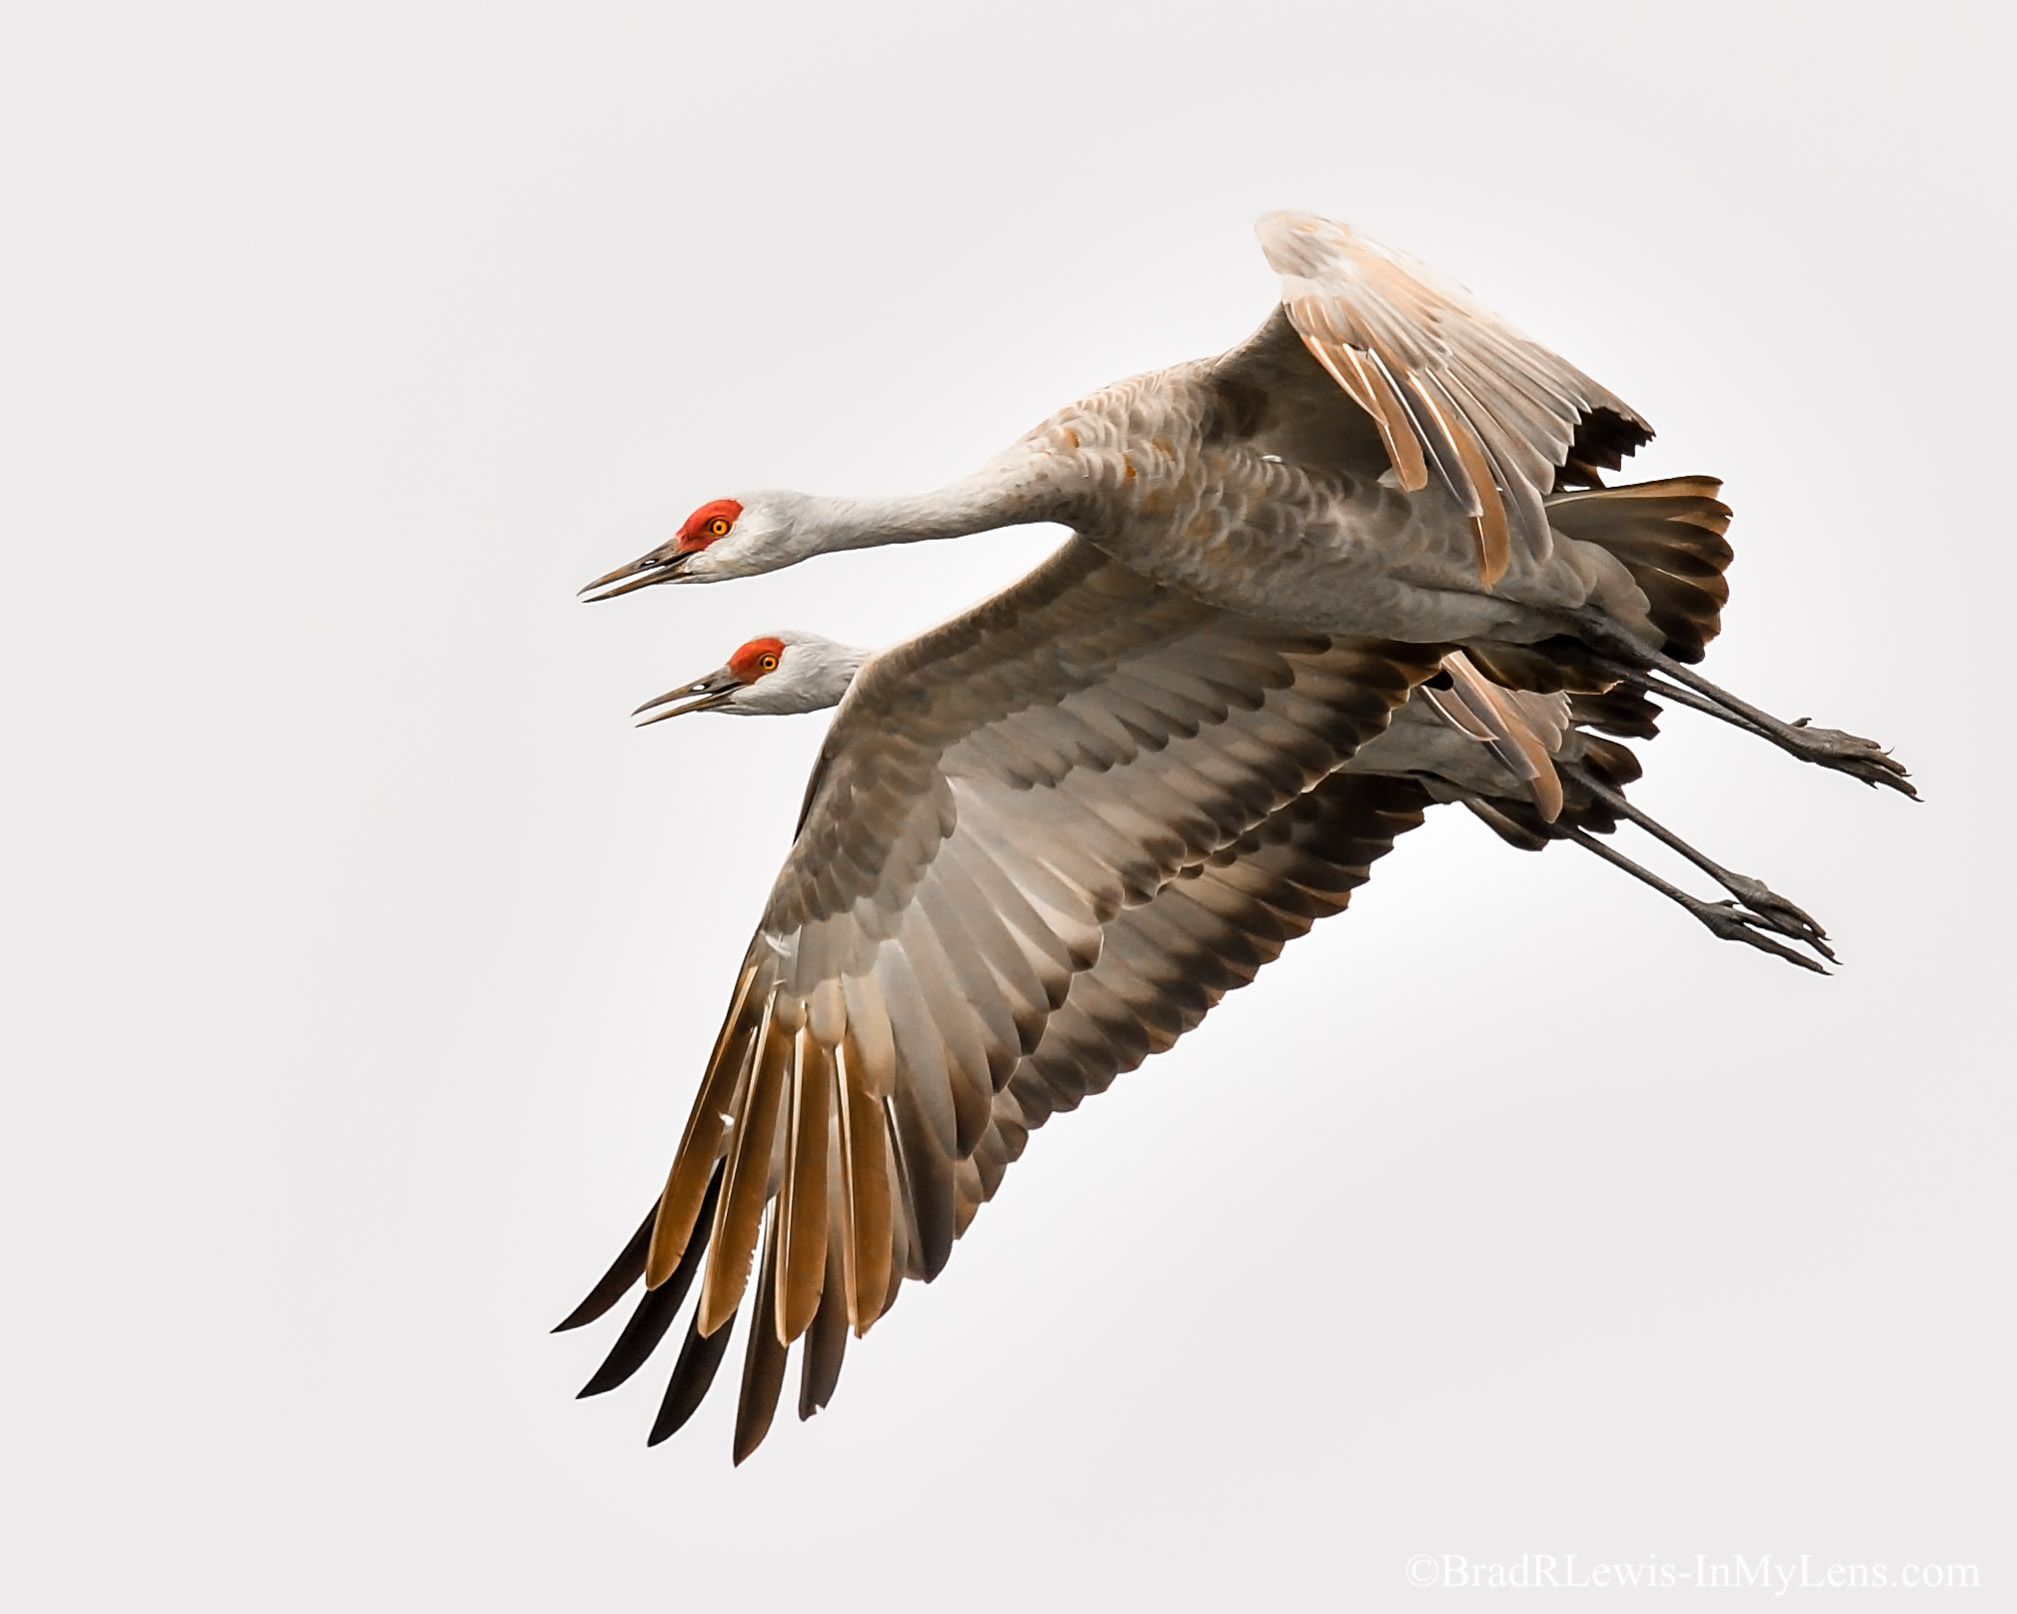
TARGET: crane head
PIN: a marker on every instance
(738, 537)
(775, 675)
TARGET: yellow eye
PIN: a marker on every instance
(718, 526)
(768, 664)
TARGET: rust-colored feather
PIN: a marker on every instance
(747, 1183)
(1495, 545)
(1513, 736)
(865, 1164)
(1396, 430)
(802, 1202)
(1370, 388)
(701, 1145)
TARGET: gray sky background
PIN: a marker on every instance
(359, 958)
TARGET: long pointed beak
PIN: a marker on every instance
(655, 567)
(716, 689)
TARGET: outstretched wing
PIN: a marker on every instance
(992, 797)
(1163, 966)
(1460, 397)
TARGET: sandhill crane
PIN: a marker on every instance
(1040, 843)
(1384, 457)
(1502, 753)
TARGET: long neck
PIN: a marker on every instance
(1018, 488)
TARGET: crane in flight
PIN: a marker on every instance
(1385, 457)
(947, 824)
(1045, 837)
(1515, 759)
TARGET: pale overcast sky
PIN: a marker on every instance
(360, 958)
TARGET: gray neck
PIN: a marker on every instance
(1010, 492)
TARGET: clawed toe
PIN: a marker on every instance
(1776, 913)
(1733, 923)
(1848, 753)
(1667, 679)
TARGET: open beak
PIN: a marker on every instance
(656, 567)
(716, 689)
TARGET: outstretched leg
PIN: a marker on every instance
(1787, 918)
(1724, 919)
(1661, 675)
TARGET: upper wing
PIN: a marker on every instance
(992, 797)
(1458, 395)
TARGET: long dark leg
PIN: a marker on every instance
(1787, 918)
(1661, 675)
(1647, 684)
(1724, 919)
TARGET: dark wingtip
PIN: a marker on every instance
(585, 1313)
(640, 1337)
(825, 1344)
(763, 1362)
(747, 1440)
(699, 1357)
(614, 1284)
(654, 1313)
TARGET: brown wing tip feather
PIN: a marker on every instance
(614, 1284)
(692, 1376)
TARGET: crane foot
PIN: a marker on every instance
(1733, 923)
(1776, 912)
(1658, 674)
(1846, 753)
